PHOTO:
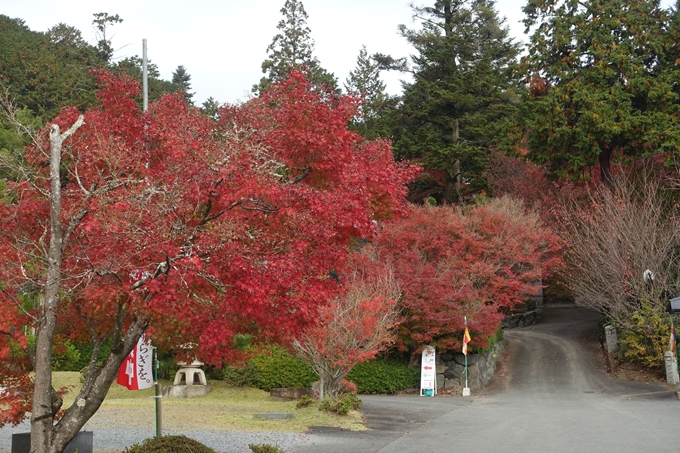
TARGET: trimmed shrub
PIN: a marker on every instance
(276, 368)
(381, 376)
(497, 337)
(341, 406)
(170, 444)
(65, 357)
(265, 448)
(304, 401)
(243, 376)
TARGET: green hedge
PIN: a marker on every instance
(273, 368)
(389, 375)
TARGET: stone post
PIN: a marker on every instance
(671, 367)
(612, 341)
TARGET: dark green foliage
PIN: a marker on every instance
(167, 367)
(170, 444)
(382, 376)
(240, 376)
(272, 368)
(498, 336)
(181, 80)
(342, 405)
(211, 108)
(293, 48)
(279, 369)
(132, 66)
(45, 71)
(463, 96)
(265, 448)
(604, 84)
(364, 81)
(65, 357)
(304, 401)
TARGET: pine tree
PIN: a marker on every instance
(102, 21)
(293, 48)
(211, 108)
(364, 81)
(463, 93)
(181, 80)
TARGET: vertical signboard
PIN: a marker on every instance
(428, 373)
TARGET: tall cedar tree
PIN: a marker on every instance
(181, 80)
(171, 223)
(293, 49)
(463, 93)
(364, 81)
(604, 86)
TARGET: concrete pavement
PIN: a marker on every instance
(553, 395)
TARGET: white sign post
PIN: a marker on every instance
(428, 373)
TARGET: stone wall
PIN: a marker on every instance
(522, 319)
(481, 367)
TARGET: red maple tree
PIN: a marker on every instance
(450, 263)
(171, 223)
(356, 325)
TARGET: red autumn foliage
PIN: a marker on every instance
(192, 229)
(478, 263)
(356, 325)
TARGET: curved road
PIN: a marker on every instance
(552, 394)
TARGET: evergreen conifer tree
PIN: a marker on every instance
(293, 48)
(181, 80)
(604, 84)
(463, 92)
(364, 81)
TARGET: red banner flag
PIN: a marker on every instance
(136, 371)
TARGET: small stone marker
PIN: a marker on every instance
(612, 340)
(671, 367)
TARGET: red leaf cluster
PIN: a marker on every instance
(478, 263)
(205, 229)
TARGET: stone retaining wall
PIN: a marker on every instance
(521, 319)
(481, 367)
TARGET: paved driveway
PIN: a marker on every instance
(552, 395)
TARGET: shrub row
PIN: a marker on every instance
(273, 368)
(276, 368)
(384, 375)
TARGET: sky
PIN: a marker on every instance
(222, 43)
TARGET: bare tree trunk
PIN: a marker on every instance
(452, 189)
(46, 403)
(605, 158)
(95, 388)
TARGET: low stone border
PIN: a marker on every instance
(522, 319)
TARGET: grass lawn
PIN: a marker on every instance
(225, 408)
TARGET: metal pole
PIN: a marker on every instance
(159, 396)
(466, 372)
(145, 76)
